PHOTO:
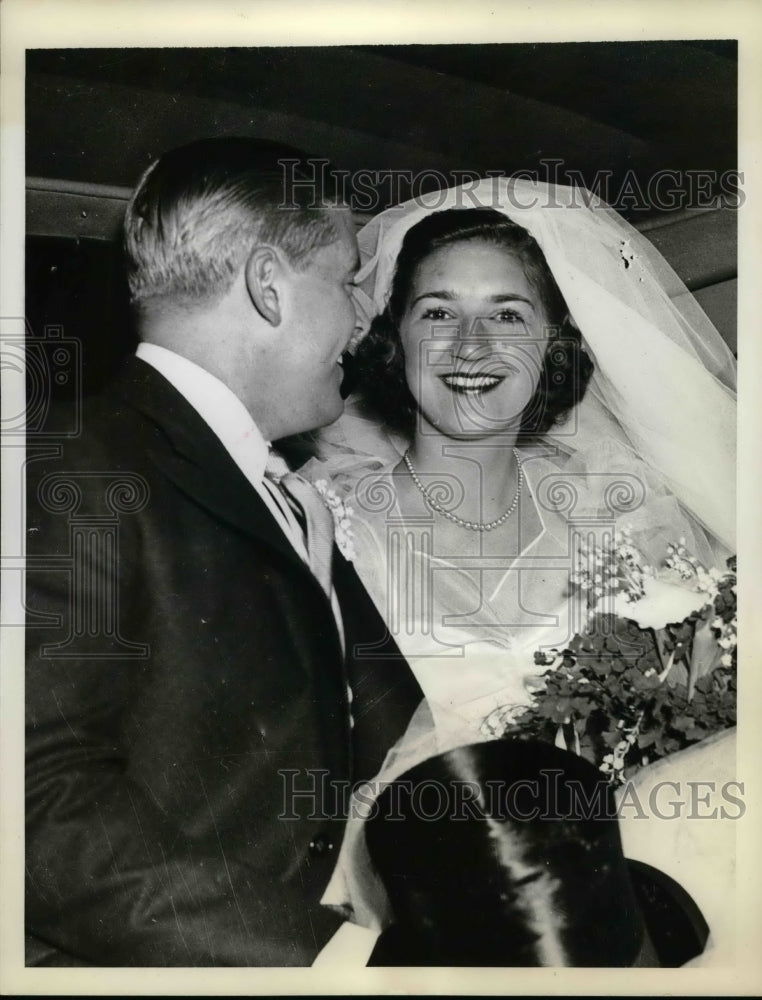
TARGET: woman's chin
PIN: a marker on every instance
(463, 427)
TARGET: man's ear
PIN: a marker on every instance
(264, 273)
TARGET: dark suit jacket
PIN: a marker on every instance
(193, 682)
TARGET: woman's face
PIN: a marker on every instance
(474, 335)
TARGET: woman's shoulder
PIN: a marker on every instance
(368, 485)
(607, 480)
(610, 487)
(352, 449)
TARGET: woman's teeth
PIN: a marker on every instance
(472, 383)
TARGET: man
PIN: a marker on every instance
(189, 677)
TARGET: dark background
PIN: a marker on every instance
(103, 114)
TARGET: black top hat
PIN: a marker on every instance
(508, 853)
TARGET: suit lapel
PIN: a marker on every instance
(385, 690)
(189, 454)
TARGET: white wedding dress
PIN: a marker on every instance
(469, 626)
(652, 446)
(469, 629)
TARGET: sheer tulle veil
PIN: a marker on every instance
(663, 391)
(659, 413)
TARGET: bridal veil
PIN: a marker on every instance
(663, 391)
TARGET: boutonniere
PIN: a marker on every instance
(342, 515)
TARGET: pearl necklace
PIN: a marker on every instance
(472, 525)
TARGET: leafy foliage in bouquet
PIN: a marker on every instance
(653, 672)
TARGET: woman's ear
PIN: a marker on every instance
(263, 273)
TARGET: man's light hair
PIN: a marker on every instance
(199, 210)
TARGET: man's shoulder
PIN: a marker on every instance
(104, 432)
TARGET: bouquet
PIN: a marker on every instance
(653, 671)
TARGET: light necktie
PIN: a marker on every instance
(317, 519)
(386, 690)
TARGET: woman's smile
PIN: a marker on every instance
(471, 383)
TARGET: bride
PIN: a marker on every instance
(531, 372)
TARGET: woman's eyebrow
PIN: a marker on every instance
(511, 297)
(447, 296)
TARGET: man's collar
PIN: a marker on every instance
(216, 404)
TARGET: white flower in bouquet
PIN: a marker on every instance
(662, 604)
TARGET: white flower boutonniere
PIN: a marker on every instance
(342, 523)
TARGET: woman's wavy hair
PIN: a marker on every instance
(380, 358)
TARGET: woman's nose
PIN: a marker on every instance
(473, 338)
(469, 348)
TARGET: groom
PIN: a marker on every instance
(196, 687)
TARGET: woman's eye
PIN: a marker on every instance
(435, 313)
(509, 316)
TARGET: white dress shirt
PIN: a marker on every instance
(225, 414)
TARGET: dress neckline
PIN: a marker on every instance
(527, 462)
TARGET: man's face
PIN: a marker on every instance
(321, 323)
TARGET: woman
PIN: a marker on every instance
(531, 371)
(527, 373)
